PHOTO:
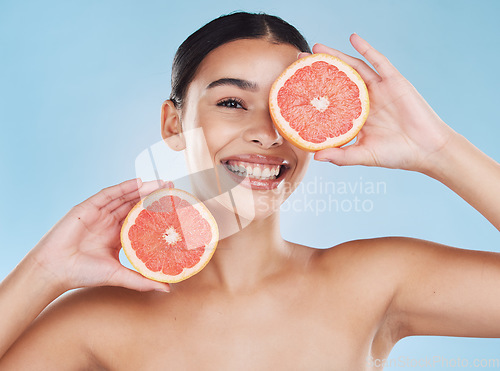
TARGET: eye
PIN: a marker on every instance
(231, 103)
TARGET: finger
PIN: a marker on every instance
(145, 189)
(151, 186)
(366, 73)
(129, 279)
(132, 197)
(350, 155)
(122, 211)
(109, 194)
(376, 59)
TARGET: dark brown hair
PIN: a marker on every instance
(220, 31)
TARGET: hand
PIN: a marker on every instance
(402, 131)
(82, 249)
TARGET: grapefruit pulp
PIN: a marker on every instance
(169, 235)
(319, 102)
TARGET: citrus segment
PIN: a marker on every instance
(319, 102)
(169, 235)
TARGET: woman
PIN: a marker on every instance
(262, 302)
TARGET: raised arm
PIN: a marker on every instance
(81, 250)
(439, 290)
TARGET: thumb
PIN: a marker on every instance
(345, 156)
(130, 279)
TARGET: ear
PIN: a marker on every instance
(171, 130)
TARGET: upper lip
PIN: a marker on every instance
(258, 159)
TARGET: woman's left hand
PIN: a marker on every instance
(402, 131)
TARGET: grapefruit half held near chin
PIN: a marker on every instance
(319, 102)
(169, 235)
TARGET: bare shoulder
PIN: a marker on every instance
(387, 262)
(99, 300)
(369, 275)
(407, 278)
(375, 265)
(69, 332)
(96, 306)
(381, 266)
(384, 252)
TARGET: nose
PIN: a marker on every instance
(263, 133)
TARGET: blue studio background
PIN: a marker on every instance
(82, 82)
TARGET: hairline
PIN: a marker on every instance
(267, 37)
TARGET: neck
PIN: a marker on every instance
(244, 258)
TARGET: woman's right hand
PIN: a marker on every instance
(82, 249)
(402, 131)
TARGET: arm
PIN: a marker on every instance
(471, 174)
(81, 250)
(58, 339)
(439, 290)
(447, 291)
(23, 295)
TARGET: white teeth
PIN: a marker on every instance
(257, 172)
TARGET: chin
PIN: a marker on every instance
(241, 206)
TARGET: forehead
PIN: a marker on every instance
(255, 60)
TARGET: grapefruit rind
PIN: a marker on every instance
(292, 135)
(186, 272)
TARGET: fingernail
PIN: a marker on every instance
(162, 290)
(321, 159)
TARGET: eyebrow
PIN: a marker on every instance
(239, 83)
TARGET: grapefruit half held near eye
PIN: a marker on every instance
(169, 235)
(319, 102)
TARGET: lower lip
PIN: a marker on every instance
(255, 184)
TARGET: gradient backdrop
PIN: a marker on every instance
(81, 84)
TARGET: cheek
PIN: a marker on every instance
(218, 130)
(197, 151)
(198, 145)
(205, 136)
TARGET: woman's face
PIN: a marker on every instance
(227, 113)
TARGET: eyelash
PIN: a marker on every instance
(230, 103)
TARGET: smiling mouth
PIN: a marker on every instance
(253, 170)
(256, 167)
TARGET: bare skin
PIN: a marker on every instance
(262, 302)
